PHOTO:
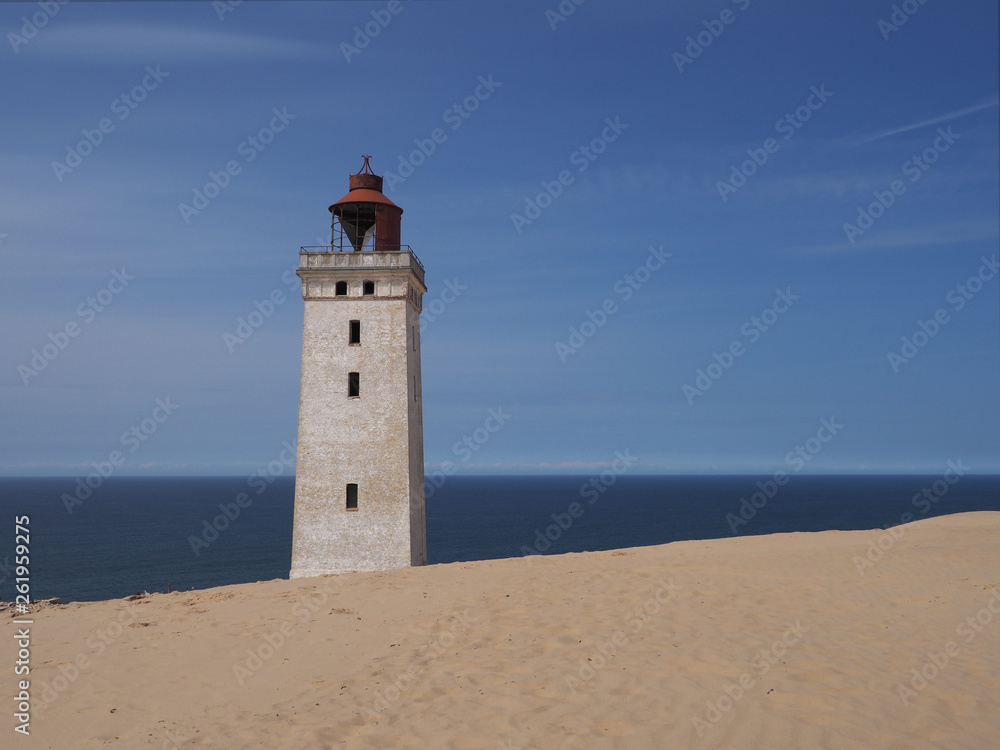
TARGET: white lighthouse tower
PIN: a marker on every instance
(359, 481)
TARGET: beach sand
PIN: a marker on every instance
(779, 641)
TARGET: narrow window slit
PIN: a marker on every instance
(352, 496)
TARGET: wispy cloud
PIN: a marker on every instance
(956, 114)
(124, 42)
(949, 234)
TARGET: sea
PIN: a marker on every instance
(157, 534)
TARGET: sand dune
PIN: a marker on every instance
(785, 641)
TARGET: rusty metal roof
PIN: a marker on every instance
(366, 187)
(365, 195)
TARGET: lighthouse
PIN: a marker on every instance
(359, 480)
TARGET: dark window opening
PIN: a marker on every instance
(353, 384)
(355, 334)
(352, 497)
(341, 288)
(369, 287)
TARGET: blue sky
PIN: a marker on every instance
(811, 111)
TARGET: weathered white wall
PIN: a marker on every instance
(376, 440)
(418, 527)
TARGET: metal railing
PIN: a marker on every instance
(335, 249)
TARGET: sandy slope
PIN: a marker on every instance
(756, 642)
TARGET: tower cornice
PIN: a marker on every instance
(397, 275)
(322, 258)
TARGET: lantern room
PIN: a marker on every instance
(365, 219)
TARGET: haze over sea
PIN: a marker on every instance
(137, 533)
